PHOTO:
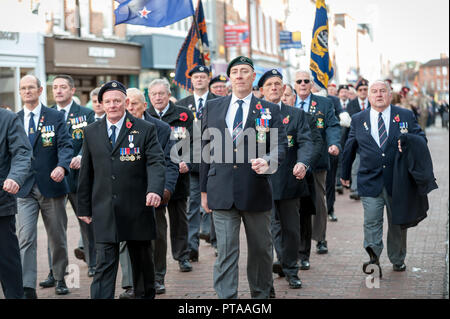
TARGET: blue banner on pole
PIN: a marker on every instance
(290, 40)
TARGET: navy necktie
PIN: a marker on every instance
(98, 119)
(200, 107)
(113, 135)
(31, 129)
(161, 115)
(302, 104)
(63, 112)
(238, 119)
(382, 134)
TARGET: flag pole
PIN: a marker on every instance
(199, 36)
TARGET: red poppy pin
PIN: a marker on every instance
(397, 118)
(128, 124)
(313, 103)
(259, 106)
(286, 120)
(183, 117)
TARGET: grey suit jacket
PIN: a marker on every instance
(15, 158)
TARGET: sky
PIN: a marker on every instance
(406, 30)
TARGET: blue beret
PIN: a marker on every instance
(362, 82)
(111, 86)
(199, 69)
(268, 75)
(239, 60)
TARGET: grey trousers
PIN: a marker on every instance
(355, 169)
(373, 228)
(55, 221)
(194, 213)
(260, 255)
(319, 220)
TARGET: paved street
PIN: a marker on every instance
(337, 274)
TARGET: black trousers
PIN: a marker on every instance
(305, 236)
(179, 228)
(104, 283)
(331, 183)
(286, 233)
(10, 265)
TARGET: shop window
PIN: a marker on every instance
(7, 87)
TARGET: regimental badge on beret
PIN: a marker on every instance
(201, 68)
(239, 60)
(243, 59)
(269, 74)
(114, 84)
(111, 86)
(222, 78)
(274, 71)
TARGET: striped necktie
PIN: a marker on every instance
(238, 119)
(113, 135)
(31, 129)
(382, 134)
(200, 108)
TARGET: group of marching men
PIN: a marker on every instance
(116, 165)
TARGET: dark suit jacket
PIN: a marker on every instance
(176, 119)
(413, 179)
(47, 158)
(324, 114)
(353, 107)
(300, 148)
(227, 180)
(377, 167)
(76, 111)
(336, 104)
(163, 130)
(15, 158)
(189, 102)
(113, 191)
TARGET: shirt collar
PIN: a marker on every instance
(163, 111)
(66, 108)
(204, 97)
(246, 100)
(386, 112)
(118, 125)
(36, 111)
(305, 100)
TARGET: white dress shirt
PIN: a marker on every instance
(196, 98)
(26, 117)
(232, 109)
(65, 108)
(118, 126)
(366, 103)
(386, 114)
(163, 111)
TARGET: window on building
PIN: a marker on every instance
(274, 37)
(438, 85)
(268, 33)
(261, 44)
(438, 70)
(444, 70)
(253, 25)
(432, 85)
(101, 21)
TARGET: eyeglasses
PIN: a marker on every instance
(362, 89)
(300, 81)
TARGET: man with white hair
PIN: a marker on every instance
(375, 134)
(322, 110)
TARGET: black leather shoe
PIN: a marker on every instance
(193, 255)
(160, 288)
(185, 265)
(205, 236)
(272, 293)
(340, 190)
(61, 288)
(332, 217)
(355, 196)
(91, 271)
(401, 267)
(373, 261)
(79, 253)
(304, 264)
(277, 269)
(29, 293)
(321, 247)
(127, 294)
(49, 282)
(294, 282)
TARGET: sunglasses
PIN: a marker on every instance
(301, 81)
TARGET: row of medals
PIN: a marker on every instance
(130, 157)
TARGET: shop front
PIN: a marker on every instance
(91, 63)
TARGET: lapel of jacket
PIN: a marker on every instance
(284, 115)
(393, 126)
(40, 124)
(104, 134)
(368, 129)
(191, 103)
(124, 130)
(253, 113)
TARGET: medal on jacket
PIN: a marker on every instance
(178, 132)
(77, 124)
(130, 140)
(265, 114)
(320, 123)
(262, 127)
(403, 127)
(47, 134)
(290, 141)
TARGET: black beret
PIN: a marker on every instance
(269, 74)
(111, 86)
(239, 60)
(199, 69)
(343, 86)
(362, 82)
(219, 78)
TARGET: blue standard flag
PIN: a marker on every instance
(320, 66)
(153, 13)
(193, 52)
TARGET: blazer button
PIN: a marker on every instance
(235, 150)
(114, 196)
(384, 166)
(234, 166)
(383, 155)
(113, 177)
(112, 158)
